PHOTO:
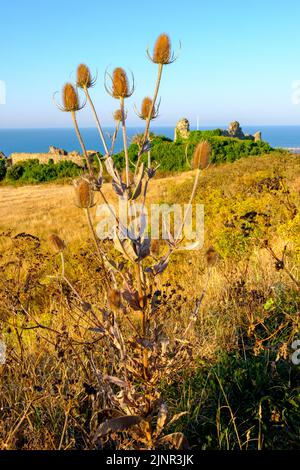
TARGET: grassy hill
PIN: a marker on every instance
(240, 391)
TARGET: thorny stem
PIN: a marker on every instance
(62, 264)
(81, 143)
(149, 153)
(88, 216)
(160, 69)
(198, 305)
(97, 120)
(196, 181)
(114, 138)
(144, 317)
(125, 141)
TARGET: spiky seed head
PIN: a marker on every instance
(201, 155)
(146, 108)
(84, 195)
(211, 256)
(114, 298)
(57, 243)
(162, 50)
(70, 98)
(84, 78)
(120, 86)
(118, 115)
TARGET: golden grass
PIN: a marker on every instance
(42, 209)
(243, 280)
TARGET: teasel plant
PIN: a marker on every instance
(162, 55)
(147, 112)
(85, 81)
(129, 322)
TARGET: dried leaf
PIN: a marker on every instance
(138, 183)
(164, 346)
(146, 344)
(132, 297)
(160, 267)
(177, 441)
(110, 167)
(144, 248)
(125, 247)
(116, 425)
(176, 417)
(115, 380)
(162, 418)
(119, 188)
(97, 330)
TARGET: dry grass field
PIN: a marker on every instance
(250, 306)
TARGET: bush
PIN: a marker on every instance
(196, 136)
(2, 168)
(176, 156)
(15, 172)
(32, 171)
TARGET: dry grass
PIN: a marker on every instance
(48, 394)
(41, 209)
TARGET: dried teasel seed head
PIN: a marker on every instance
(211, 256)
(120, 86)
(118, 115)
(162, 50)
(114, 298)
(146, 108)
(70, 98)
(84, 78)
(57, 243)
(201, 155)
(130, 176)
(84, 195)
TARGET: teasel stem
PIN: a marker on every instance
(125, 141)
(144, 317)
(149, 152)
(88, 97)
(195, 313)
(90, 223)
(196, 181)
(73, 114)
(114, 138)
(158, 80)
(62, 264)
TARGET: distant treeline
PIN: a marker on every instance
(169, 155)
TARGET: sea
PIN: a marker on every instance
(39, 140)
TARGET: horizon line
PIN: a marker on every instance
(141, 127)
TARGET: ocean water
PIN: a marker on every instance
(39, 140)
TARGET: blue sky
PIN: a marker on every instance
(238, 59)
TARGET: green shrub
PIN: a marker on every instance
(2, 168)
(172, 156)
(15, 172)
(176, 156)
(31, 171)
(196, 136)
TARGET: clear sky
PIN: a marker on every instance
(238, 60)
